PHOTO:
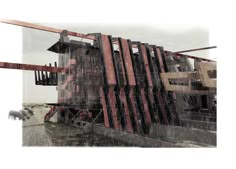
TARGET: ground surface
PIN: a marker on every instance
(37, 133)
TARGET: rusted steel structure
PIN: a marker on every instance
(131, 89)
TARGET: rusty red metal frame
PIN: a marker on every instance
(110, 70)
(127, 66)
(45, 28)
(129, 127)
(131, 96)
(128, 62)
(188, 56)
(111, 77)
(112, 100)
(145, 106)
(31, 67)
(160, 60)
(148, 72)
(104, 107)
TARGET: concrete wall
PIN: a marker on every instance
(132, 139)
(182, 133)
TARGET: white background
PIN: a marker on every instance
(217, 15)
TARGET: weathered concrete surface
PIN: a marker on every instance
(38, 133)
(133, 139)
(199, 124)
(183, 134)
(34, 132)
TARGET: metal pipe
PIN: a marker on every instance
(45, 28)
(197, 49)
(8, 65)
(189, 56)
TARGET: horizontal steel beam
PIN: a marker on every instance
(197, 49)
(45, 28)
(8, 65)
(189, 56)
(174, 53)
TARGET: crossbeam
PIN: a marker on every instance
(197, 49)
(205, 69)
(8, 65)
(203, 75)
(188, 56)
(45, 28)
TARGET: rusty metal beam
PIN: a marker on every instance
(146, 65)
(127, 118)
(115, 41)
(127, 61)
(8, 65)
(108, 62)
(45, 28)
(197, 49)
(145, 107)
(104, 107)
(189, 56)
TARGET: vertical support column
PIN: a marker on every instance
(46, 77)
(50, 75)
(148, 81)
(162, 107)
(36, 78)
(39, 78)
(145, 106)
(130, 82)
(146, 65)
(122, 105)
(161, 68)
(127, 61)
(160, 113)
(108, 60)
(43, 78)
(135, 112)
(129, 127)
(104, 107)
(136, 99)
(67, 113)
(109, 77)
(56, 74)
(112, 100)
(167, 107)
